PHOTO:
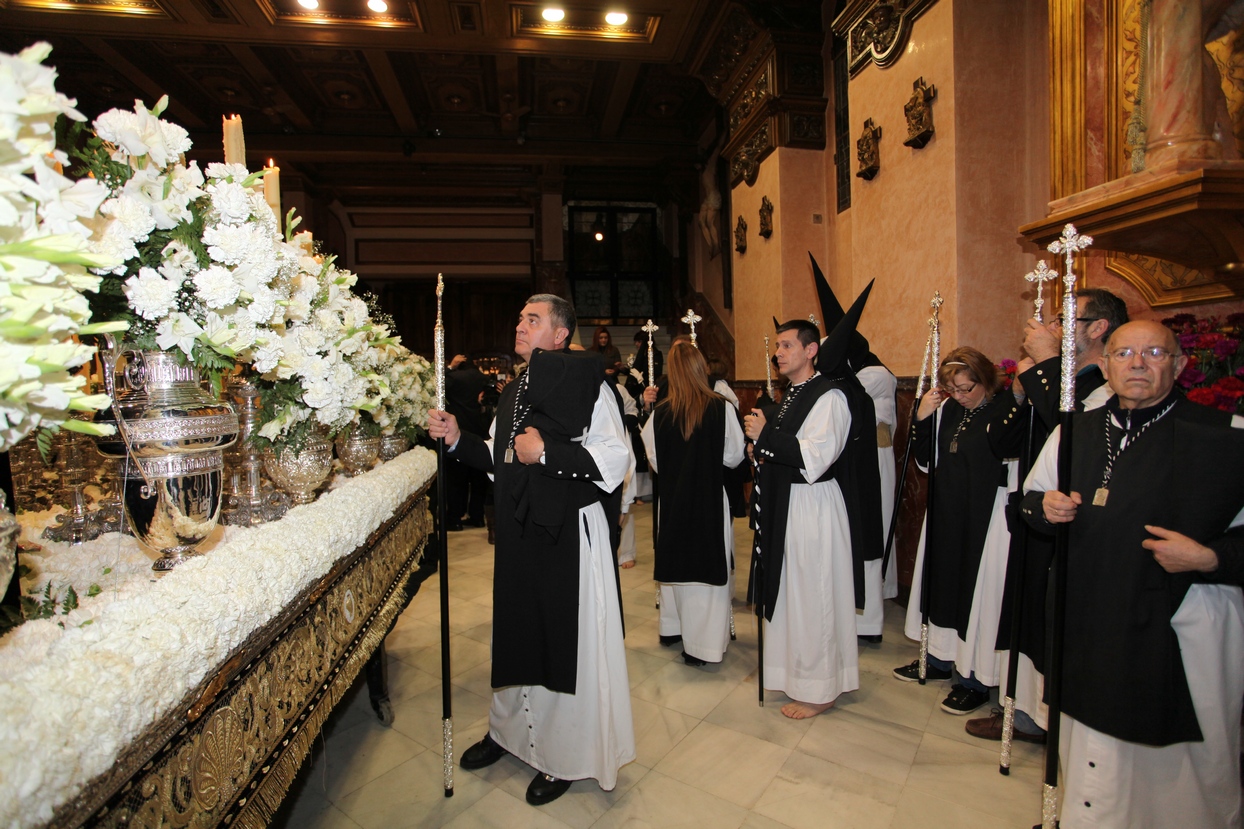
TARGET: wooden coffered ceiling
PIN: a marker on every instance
(435, 101)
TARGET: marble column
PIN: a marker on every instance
(1179, 82)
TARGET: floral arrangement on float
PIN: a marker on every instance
(1007, 371)
(1214, 375)
(44, 256)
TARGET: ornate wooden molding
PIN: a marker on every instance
(877, 31)
(771, 82)
(1067, 73)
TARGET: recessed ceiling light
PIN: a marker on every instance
(615, 18)
(378, 6)
(309, 4)
(553, 15)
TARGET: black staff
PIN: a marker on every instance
(1070, 242)
(447, 716)
(1015, 589)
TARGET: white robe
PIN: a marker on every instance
(811, 652)
(881, 386)
(700, 613)
(976, 651)
(589, 733)
(1108, 783)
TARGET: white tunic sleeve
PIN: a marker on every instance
(606, 440)
(733, 455)
(723, 388)
(881, 386)
(649, 437)
(824, 434)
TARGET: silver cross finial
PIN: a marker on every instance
(1067, 244)
(691, 319)
(1040, 276)
(812, 319)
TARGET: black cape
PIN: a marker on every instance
(1122, 670)
(855, 470)
(536, 567)
(967, 486)
(691, 546)
(1028, 586)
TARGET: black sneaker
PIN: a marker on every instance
(911, 673)
(963, 700)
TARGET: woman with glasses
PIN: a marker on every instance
(691, 439)
(979, 433)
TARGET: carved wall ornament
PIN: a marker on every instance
(745, 165)
(749, 101)
(766, 217)
(807, 129)
(878, 30)
(740, 235)
(919, 112)
(868, 151)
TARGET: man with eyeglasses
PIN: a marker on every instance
(1153, 658)
(1099, 314)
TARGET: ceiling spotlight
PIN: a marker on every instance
(598, 228)
(378, 6)
(309, 4)
(553, 15)
(615, 18)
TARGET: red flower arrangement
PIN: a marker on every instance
(1214, 375)
(1007, 369)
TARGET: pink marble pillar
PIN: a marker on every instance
(1180, 122)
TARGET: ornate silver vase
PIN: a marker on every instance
(392, 445)
(249, 499)
(357, 453)
(171, 433)
(300, 473)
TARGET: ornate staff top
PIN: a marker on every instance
(1040, 276)
(768, 370)
(691, 319)
(936, 305)
(1068, 245)
(439, 344)
(651, 328)
(812, 319)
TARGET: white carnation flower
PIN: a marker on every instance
(150, 294)
(216, 287)
(230, 202)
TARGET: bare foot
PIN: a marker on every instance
(802, 710)
(626, 565)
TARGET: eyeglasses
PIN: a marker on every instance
(957, 390)
(1059, 319)
(1152, 354)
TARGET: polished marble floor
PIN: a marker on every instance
(708, 754)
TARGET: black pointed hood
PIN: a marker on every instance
(831, 360)
(831, 308)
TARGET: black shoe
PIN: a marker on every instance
(482, 754)
(692, 661)
(911, 673)
(545, 789)
(870, 638)
(964, 700)
(670, 641)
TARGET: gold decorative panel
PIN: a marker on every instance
(582, 24)
(142, 8)
(229, 756)
(403, 14)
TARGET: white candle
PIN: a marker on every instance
(235, 142)
(272, 189)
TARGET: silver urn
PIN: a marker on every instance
(300, 473)
(357, 453)
(392, 445)
(172, 435)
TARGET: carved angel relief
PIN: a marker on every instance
(868, 151)
(919, 112)
(740, 235)
(766, 217)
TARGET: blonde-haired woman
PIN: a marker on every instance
(692, 437)
(979, 434)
